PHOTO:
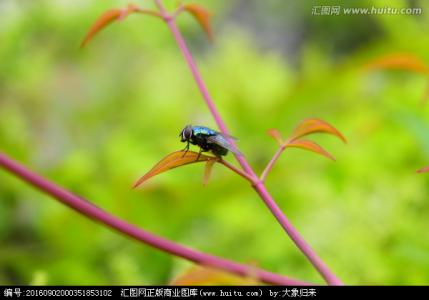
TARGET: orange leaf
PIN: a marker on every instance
(102, 21)
(423, 170)
(202, 275)
(311, 146)
(276, 135)
(310, 126)
(116, 14)
(173, 160)
(208, 171)
(399, 61)
(202, 15)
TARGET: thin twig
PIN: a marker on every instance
(271, 163)
(258, 185)
(178, 10)
(97, 214)
(148, 12)
(237, 170)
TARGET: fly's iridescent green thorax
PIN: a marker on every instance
(207, 139)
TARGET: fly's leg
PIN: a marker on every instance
(186, 149)
(199, 154)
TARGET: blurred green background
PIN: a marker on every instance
(95, 119)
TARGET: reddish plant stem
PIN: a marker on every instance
(271, 163)
(236, 170)
(257, 184)
(96, 214)
(147, 12)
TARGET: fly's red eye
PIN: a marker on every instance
(188, 133)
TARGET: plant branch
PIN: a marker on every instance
(236, 170)
(200, 83)
(271, 163)
(148, 12)
(96, 214)
(257, 184)
(178, 10)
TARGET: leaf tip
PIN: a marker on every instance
(310, 146)
(109, 16)
(398, 61)
(423, 170)
(314, 125)
(139, 182)
(275, 134)
(101, 22)
(202, 16)
(171, 161)
(208, 171)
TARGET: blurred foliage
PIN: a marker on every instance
(96, 119)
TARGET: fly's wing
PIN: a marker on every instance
(221, 140)
(227, 136)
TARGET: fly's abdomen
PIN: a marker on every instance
(218, 150)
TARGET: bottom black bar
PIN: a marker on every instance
(272, 292)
